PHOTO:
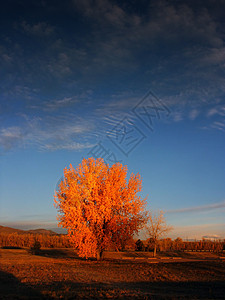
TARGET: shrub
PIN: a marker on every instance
(139, 246)
(35, 249)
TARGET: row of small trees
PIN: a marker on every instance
(28, 240)
(62, 241)
(179, 245)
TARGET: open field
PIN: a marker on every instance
(60, 274)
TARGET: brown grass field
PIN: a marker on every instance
(60, 274)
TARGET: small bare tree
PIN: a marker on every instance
(157, 227)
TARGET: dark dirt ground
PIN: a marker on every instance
(60, 274)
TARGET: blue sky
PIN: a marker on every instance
(141, 82)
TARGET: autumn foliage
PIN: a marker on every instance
(99, 207)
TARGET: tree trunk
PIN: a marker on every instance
(99, 254)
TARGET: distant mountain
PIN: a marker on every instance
(41, 231)
(5, 229)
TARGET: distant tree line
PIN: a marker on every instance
(62, 241)
(28, 240)
(178, 244)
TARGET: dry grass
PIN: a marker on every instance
(60, 274)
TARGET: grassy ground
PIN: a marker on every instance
(60, 274)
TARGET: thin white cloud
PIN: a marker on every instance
(52, 133)
(201, 208)
(177, 116)
(61, 134)
(219, 126)
(10, 137)
(213, 111)
(73, 146)
(193, 114)
(56, 104)
(217, 116)
(217, 110)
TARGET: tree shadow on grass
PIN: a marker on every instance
(139, 290)
(12, 288)
(184, 290)
(60, 253)
(11, 247)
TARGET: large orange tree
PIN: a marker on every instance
(98, 206)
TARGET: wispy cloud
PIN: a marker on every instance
(61, 103)
(213, 111)
(123, 49)
(201, 208)
(118, 54)
(217, 110)
(73, 146)
(52, 133)
(55, 104)
(193, 114)
(177, 116)
(216, 117)
(10, 137)
(219, 126)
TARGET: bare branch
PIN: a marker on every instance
(157, 227)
